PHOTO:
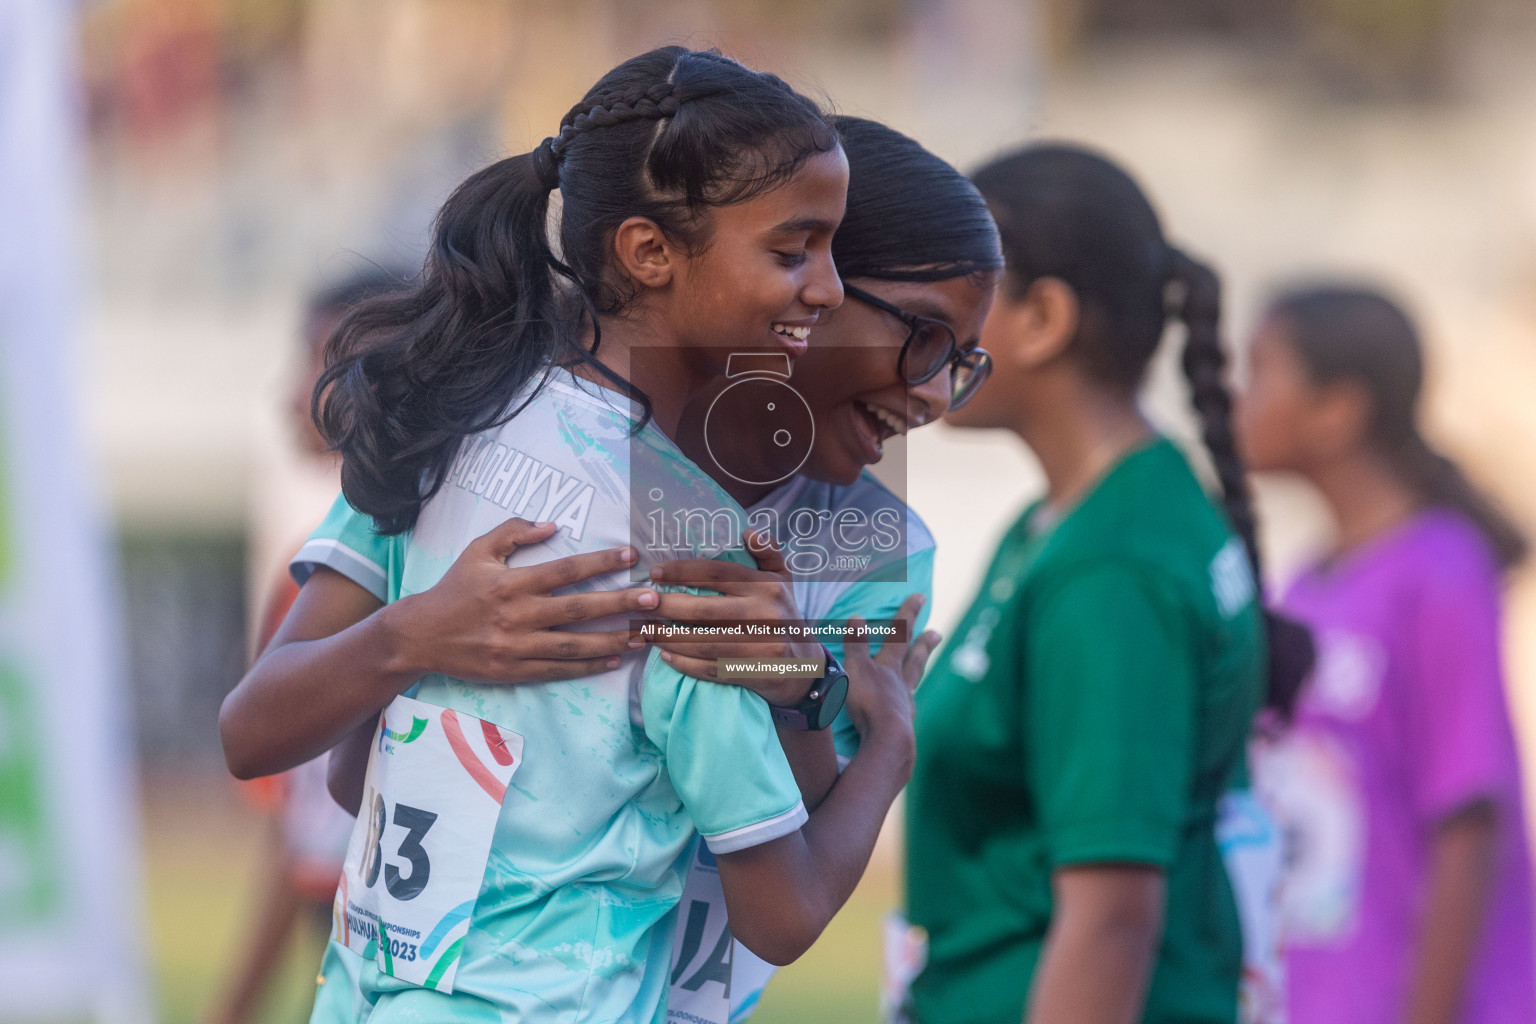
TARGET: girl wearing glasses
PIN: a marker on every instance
(1077, 733)
(523, 858)
(919, 257)
(916, 232)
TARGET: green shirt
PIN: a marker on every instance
(1092, 709)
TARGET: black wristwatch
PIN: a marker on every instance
(819, 707)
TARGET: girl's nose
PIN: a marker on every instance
(823, 288)
(932, 396)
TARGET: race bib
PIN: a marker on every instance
(436, 780)
(1254, 855)
(904, 954)
(711, 971)
(1309, 782)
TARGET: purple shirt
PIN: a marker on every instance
(1403, 721)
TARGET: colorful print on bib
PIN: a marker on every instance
(436, 781)
(1311, 783)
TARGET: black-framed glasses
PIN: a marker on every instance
(930, 348)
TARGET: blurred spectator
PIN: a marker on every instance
(1408, 894)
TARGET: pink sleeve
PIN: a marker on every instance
(1462, 746)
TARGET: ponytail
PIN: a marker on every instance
(1357, 334)
(1205, 365)
(1291, 649)
(409, 376)
(666, 135)
(1440, 482)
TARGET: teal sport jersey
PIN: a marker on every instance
(1093, 707)
(574, 920)
(840, 572)
(870, 588)
(863, 582)
(860, 551)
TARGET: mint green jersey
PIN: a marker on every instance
(838, 576)
(575, 917)
(870, 588)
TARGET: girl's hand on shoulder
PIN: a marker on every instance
(744, 594)
(490, 623)
(881, 687)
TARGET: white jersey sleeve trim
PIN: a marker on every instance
(762, 832)
(333, 554)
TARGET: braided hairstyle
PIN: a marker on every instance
(1068, 213)
(1359, 336)
(667, 135)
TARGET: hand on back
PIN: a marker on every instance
(490, 623)
(743, 594)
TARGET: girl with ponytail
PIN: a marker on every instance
(920, 256)
(1408, 894)
(1078, 733)
(522, 849)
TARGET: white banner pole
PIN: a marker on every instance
(72, 942)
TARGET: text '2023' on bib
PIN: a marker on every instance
(436, 781)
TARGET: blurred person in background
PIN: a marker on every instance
(1408, 890)
(306, 837)
(1077, 733)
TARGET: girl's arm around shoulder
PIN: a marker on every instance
(341, 655)
(335, 660)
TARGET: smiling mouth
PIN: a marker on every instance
(797, 333)
(887, 423)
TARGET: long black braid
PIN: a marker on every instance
(1291, 651)
(1071, 214)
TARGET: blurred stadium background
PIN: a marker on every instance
(241, 152)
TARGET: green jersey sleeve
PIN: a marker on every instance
(1109, 716)
(722, 756)
(878, 599)
(346, 541)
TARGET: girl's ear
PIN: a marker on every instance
(1042, 323)
(645, 254)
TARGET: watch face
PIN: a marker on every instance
(837, 694)
(781, 426)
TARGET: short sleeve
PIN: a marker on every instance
(879, 599)
(1109, 716)
(723, 758)
(1461, 735)
(346, 542)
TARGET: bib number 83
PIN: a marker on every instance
(416, 822)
